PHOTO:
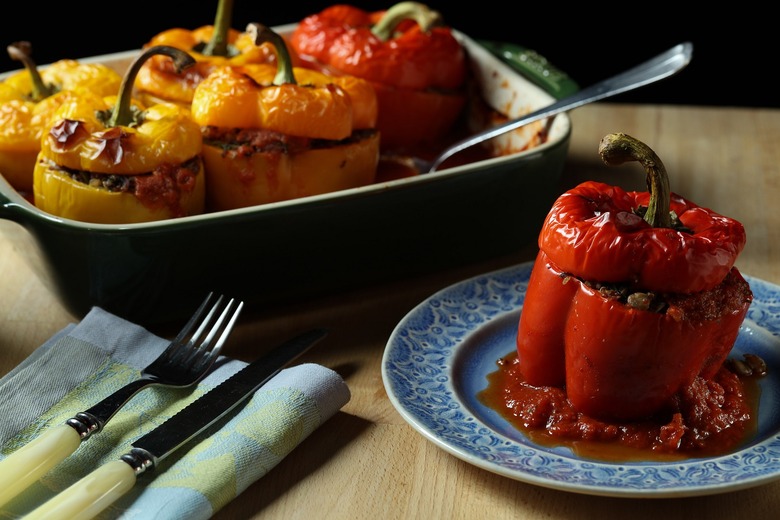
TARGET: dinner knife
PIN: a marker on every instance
(99, 489)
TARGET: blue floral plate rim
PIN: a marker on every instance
(438, 356)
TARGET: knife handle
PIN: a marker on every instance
(89, 496)
(30, 462)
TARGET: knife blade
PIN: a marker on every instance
(99, 489)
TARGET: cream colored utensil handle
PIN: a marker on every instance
(30, 462)
(90, 495)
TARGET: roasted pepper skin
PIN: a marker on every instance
(644, 358)
(24, 119)
(168, 136)
(157, 149)
(211, 46)
(341, 37)
(616, 361)
(289, 112)
(157, 80)
(245, 97)
(420, 72)
(540, 338)
(592, 232)
(617, 357)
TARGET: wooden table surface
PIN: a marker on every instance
(367, 462)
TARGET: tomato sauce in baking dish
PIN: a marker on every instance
(708, 418)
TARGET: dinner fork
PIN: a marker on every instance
(183, 363)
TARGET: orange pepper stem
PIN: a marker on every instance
(616, 149)
(22, 51)
(218, 44)
(123, 114)
(425, 17)
(261, 34)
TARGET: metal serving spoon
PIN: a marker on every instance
(660, 67)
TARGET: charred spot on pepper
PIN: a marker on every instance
(112, 144)
(67, 134)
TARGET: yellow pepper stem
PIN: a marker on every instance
(122, 113)
(425, 17)
(261, 34)
(218, 44)
(22, 51)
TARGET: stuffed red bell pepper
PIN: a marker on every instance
(416, 65)
(633, 294)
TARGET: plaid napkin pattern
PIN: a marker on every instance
(86, 361)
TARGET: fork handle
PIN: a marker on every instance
(30, 462)
(103, 411)
(90, 495)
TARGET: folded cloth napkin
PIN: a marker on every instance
(84, 362)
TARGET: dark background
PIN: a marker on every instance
(734, 47)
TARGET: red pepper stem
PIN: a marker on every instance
(425, 17)
(218, 44)
(22, 51)
(122, 114)
(618, 148)
(261, 34)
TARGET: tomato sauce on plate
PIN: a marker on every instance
(707, 418)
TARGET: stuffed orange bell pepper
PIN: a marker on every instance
(27, 100)
(110, 160)
(633, 295)
(212, 46)
(278, 132)
(409, 55)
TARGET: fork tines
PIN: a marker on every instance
(216, 324)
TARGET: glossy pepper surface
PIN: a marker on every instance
(212, 47)
(28, 99)
(111, 160)
(633, 294)
(409, 55)
(276, 132)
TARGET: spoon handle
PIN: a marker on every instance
(660, 67)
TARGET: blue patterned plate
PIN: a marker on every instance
(438, 358)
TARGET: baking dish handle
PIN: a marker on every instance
(534, 67)
(12, 205)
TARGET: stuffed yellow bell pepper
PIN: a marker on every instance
(28, 99)
(212, 46)
(110, 160)
(273, 133)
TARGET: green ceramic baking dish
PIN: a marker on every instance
(275, 253)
